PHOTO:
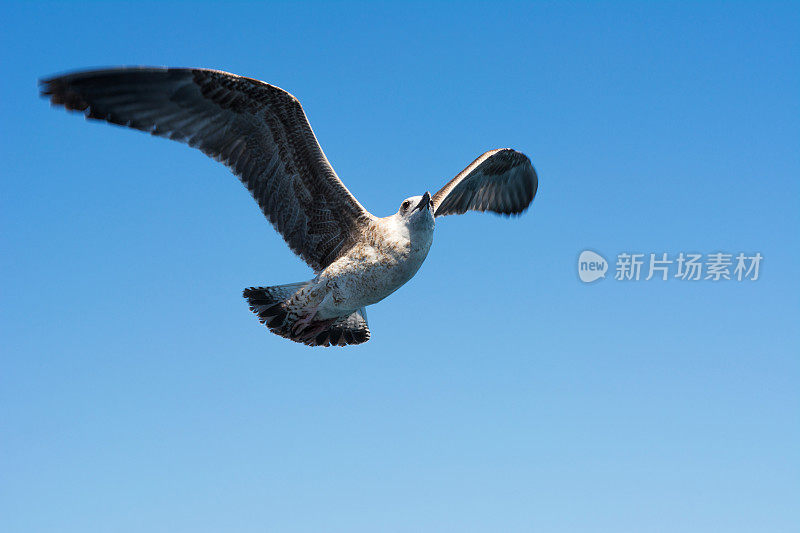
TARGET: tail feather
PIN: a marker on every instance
(271, 305)
(350, 329)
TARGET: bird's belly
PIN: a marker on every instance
(367, 278)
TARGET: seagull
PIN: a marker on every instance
(262, 134)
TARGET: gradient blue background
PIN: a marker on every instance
(498, 393)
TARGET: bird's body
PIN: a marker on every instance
(388, 256)
(261, 132)
(388, 253)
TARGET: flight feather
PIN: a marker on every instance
(502, 181)
(258, 130)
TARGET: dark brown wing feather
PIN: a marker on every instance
(256, 129)
(502, 181)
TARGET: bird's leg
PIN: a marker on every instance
(304, 322)
(318, 327)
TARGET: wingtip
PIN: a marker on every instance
(56, 91)
(45, 86)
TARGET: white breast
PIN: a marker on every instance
(376, 267)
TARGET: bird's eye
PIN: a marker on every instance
(406, 204)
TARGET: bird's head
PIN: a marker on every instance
(417, 210)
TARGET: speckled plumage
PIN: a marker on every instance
(263, 135)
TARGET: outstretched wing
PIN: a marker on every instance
(256, 129)
(502, 181)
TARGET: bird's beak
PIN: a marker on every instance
(425, 202)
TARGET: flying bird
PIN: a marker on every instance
(262, 134)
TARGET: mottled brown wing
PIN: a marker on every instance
(502, 181)
(256, 129)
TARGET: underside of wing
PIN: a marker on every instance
(502, 181)
(258, 130)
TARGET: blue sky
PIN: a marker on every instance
(498, 392)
